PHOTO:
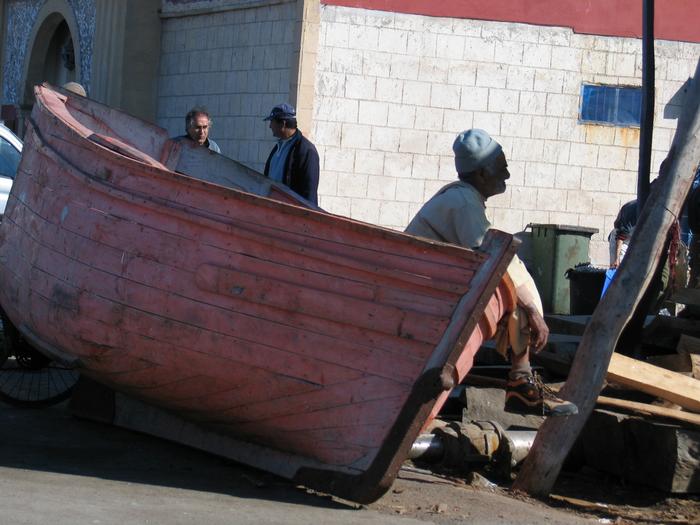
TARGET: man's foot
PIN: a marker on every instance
(529, 395)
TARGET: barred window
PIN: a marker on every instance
(613, 105)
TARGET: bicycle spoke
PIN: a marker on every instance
(27, 377)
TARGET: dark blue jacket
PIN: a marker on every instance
(301, 169)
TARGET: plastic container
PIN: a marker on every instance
(585, 288)
(555, 249)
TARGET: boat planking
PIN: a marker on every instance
(188, 281)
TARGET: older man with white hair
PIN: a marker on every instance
(457, 214)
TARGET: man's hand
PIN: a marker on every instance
(539, 333)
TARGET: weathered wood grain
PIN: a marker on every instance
(330, 340)
(645, 377)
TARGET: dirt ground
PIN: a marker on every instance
(584, 494)
(55, 468)
(43, 444)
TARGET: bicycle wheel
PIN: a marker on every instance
(27, 377)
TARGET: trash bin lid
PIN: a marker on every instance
(565, 228)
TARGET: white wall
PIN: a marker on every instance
(393, 90)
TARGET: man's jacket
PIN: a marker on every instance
(301, 167)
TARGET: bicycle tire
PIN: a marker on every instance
(28, 379)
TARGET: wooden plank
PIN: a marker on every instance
(155, 191)
(689, 296)
(680, 363)
(675, 325)
(688, 345)
(677, 388)
(650, 410)
(352, 382)
(695, 365)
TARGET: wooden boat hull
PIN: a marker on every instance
(327, 340)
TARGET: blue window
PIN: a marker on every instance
(615, 105)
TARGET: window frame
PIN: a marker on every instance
(616, 121)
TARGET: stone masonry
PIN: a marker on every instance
(237, 63)
(392, 91)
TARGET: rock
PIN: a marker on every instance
(486, 404)
(642, 451)
(603, 441)
(477, 480)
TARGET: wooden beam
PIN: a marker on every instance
(557, 435)
(680, 363)
(650, 410)
(688, 345)
(671, 386)
(686, 296)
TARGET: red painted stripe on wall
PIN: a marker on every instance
(674, 19)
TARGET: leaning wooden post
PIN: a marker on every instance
(557, 435)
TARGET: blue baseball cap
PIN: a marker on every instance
(282, 112)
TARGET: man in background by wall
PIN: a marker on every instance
(76, 88)
(294, 159)
(198, 125)
(457, 215)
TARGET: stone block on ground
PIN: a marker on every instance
(486, 404)
(643, 451)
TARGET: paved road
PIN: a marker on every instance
(59, 470)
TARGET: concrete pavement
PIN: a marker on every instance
(59, 470)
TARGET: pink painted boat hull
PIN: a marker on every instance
(329, 341)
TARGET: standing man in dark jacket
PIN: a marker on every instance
(294, 159)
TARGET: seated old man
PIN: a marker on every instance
(457, 214)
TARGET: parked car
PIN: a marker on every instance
(10, 153)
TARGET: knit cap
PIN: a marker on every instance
(474, 149)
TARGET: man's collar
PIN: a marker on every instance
(467, 186)
(282, 142)
(477, 192)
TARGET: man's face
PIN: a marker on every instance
(494, 177)
(277, 127)
(199, 129)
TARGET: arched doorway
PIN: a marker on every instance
(59, 64)
(54, 57)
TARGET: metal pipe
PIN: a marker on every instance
(647, 120)
(428, 447)
(431, 447)
(522, 441)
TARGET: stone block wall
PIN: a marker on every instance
(235, 58)
(392, 91)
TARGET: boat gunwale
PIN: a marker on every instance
(225, 192)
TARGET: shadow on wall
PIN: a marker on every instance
(673, 107)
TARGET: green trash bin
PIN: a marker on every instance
(555, 249)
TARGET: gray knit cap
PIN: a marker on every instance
(474, 149)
